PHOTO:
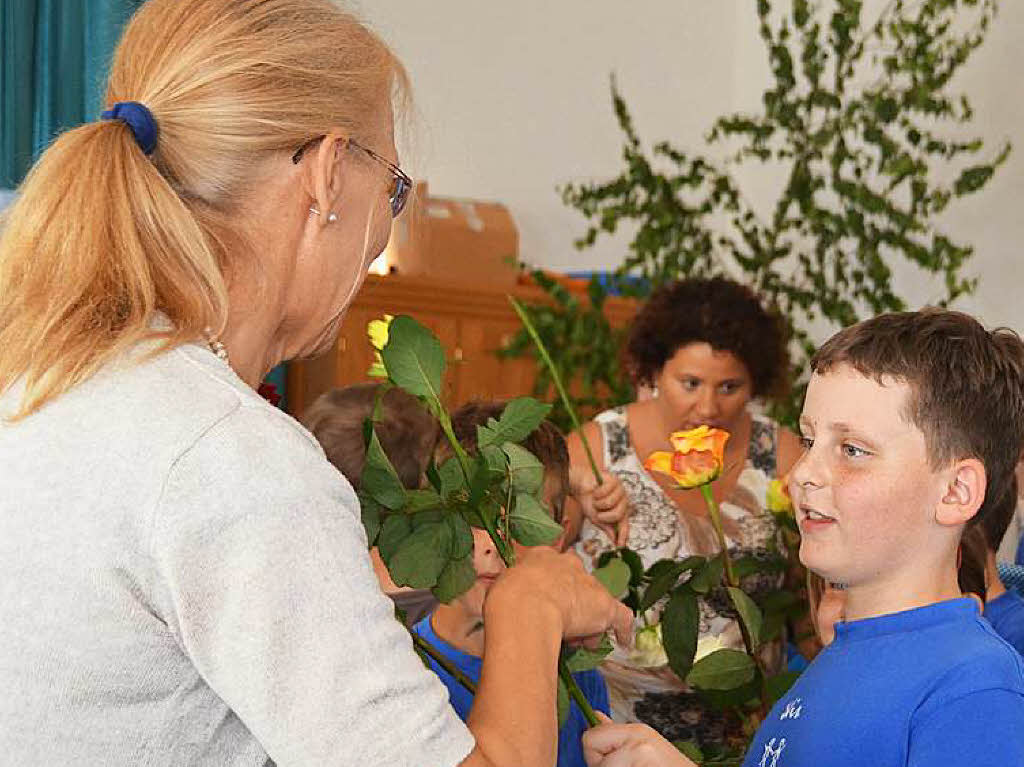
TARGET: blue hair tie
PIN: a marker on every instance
(139, 119)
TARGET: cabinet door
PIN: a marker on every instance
(483, 375)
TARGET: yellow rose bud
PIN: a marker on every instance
(778, 496)
(377, 330)
(697, 458)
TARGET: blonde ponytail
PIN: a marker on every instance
(101, 237)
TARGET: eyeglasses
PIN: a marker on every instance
(401, 184)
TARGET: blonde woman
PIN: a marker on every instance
(183, 576)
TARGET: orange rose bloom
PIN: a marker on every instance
(697, 458)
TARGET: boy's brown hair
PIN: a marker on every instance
(407, 432)
(967, 387)
(545, 442)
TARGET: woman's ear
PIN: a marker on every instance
(964, 493)
(326, 175)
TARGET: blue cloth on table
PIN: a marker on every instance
(1012, 576)
(1006, 614)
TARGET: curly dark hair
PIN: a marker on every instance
(722, 313)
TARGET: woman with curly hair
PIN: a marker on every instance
(705, 349)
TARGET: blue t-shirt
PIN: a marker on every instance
(570, 747)
(919, 688)
(1006, 614)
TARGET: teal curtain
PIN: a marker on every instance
(54, 56)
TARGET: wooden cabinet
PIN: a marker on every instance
(471, 325)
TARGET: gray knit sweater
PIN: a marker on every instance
(184, 581)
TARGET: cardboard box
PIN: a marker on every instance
(464, 242)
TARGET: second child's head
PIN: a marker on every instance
(407, 432)
(548, 445)
(912, 426)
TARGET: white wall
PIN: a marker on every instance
(513, 101)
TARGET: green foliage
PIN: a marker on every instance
(855, 120)
(614, 576)
(722, 670)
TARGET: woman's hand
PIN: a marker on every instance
(603, 504)
(629, 745)
(544, 582)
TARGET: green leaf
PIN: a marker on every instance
(530, 523)
(664, 565)
(680, 625)
(779, 684)
(452, 478)
(749, 613)
(455, 579)
(614, 576)
(369, 513)
(660, 585)
(749, 565)
(422, 556)
(690, 750)
(973, 179)
(480, 480)
(525, 471)
(583, 659)
(419, 501)
(518, 420)
(379, 479)
(562, 703)
(462, 536)
(395, 529)
(722, 670)
(636, 565)
(414, 360)
(432, 475)
(707, 577)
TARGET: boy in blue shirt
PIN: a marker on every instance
(457, 629)
(912, 426)
(1004, 608)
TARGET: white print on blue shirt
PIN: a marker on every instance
(773, 751)
(793, 709)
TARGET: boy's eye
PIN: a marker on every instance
(691, 384)
(730, 387)
(852, 451)
(806, 443)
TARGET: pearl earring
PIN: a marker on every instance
(331, 216)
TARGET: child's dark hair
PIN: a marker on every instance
(719, 312)
(407, 432)
(967, 390)
(545, 442)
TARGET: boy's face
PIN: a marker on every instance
(864, 492)
(488, 565)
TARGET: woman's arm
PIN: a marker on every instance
(545, 597)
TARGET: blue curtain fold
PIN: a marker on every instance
(54, 57)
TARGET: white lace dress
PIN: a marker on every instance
(658, 530)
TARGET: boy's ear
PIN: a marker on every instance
(964, 493)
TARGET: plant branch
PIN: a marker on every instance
(443, 662)
(732, 580)
(542, 350)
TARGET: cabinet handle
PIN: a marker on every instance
(457, 354)
(343, 344)
(506, 340)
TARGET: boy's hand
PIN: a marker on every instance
(605, 505)
(629, 745)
